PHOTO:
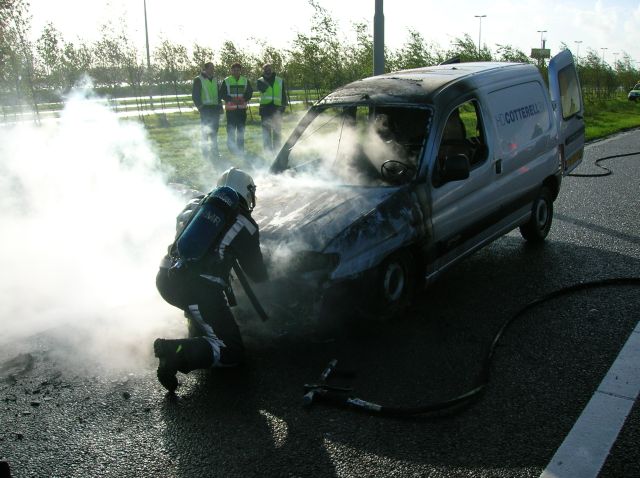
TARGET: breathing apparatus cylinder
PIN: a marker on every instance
(215, 213)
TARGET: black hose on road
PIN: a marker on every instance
(607, 170)
(335, 397)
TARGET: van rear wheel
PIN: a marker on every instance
(539, 224)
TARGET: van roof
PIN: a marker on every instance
(422, 85)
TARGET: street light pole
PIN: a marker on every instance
(146, 34)
(541, 32)
(479, 17)
(603, 49)
(378, 38)
(577, 42)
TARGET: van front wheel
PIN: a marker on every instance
(389, 291)
(539, 224)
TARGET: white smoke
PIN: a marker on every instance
(85, 217)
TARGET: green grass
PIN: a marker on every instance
(606, 117)
(176, 140)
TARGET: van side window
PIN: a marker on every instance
(463, 134)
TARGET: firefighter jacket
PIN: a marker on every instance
(240, 241)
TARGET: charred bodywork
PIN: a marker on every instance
(324, 236)
(388, 181)
(343, 198)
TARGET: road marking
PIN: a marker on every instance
(586, 447)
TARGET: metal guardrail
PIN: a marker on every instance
(24, 113)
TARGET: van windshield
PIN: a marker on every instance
(357, 145)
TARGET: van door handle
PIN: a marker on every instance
(498, 166)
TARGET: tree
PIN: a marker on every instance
(304, 56)
(627, 74)
(199, 56)
(596, 79)
(415, 53)
(317, 60)
(13, 14)
(512, 54)
(466, 49)
(173, 66)
(109, 52)
(229, 55)
(77, 61)
(16, 57)
(268, 54)
(134, 71)
(359, 57)
(49, 48)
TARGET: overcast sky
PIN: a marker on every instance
(610, 24)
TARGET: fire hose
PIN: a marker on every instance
(607, 170)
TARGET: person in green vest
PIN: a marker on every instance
(236, 92)
(206, 97)
(273, 102)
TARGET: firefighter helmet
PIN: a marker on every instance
(242, 183)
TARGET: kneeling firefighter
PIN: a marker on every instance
(213, 231)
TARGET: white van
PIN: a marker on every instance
(388, 181)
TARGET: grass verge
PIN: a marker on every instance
(606, 117)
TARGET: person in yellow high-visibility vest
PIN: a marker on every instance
(206, 97)
(236, 92)
(273, 102)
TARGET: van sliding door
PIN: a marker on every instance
(566, 95)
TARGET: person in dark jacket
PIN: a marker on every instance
(236, 91)
(273, 102)
(202, 288)
(206, 97)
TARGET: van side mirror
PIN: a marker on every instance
(456, 168)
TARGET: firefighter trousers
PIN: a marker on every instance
(205, 305)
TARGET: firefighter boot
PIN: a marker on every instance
(183, 355)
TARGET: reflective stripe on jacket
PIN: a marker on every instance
(273, 94)
(209, 91)
(236, 90)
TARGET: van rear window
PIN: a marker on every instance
(570, 95)
(520, 115)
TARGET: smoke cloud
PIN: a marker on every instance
(85, 217)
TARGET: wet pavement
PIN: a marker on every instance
(66, 413)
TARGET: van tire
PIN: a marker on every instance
(539, 224)
(391, 288)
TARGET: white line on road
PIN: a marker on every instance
(586, 447)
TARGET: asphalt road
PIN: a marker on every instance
(65, 414)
